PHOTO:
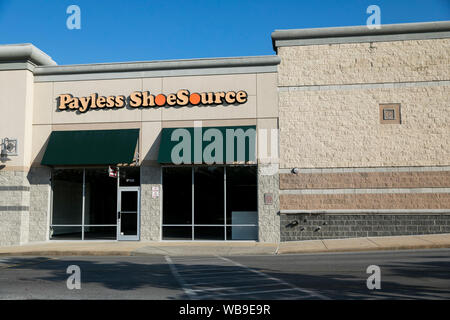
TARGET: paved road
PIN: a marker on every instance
(423, 274)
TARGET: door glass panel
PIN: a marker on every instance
(128, 224)
(128, 201)
(128, 213)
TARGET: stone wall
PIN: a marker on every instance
(40, 194)
(14, 207)
(334, 226)
(370, 62)
(150, 207)
(268, 218)
(340, 127)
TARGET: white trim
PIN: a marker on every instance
(119, 200)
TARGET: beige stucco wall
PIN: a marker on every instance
(262, 104)
(329, 104)
(16, 113)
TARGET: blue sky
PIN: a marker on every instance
(138, 30)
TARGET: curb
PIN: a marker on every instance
(281, 251)
(399, 247)
(67, 253)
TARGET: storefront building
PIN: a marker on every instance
(342, 133)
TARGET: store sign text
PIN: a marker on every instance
(144, 99)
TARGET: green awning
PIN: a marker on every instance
(208, 145)
(91, 147)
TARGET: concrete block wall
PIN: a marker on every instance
(367, 62)
(340, 127)
(150, 207)
(14, 207)
(268, 218)
(329, 97)
(40, 196)
(335, 226)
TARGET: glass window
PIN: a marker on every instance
(177, 195)
(242, 205)
(210, 221)
(177, 233)
(67, 185)
(209, 233)
(129, 177)
(65, 233)
(100, 233)
(209, 195)
(100, 197)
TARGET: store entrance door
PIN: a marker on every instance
(128, 212)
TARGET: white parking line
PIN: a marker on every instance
(306, 291)
(191, 294)
(207, 275)
(240, 287)
(250, 292)
(217, 281)
(204, 284)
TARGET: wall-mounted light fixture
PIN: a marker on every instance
(8, 147)
(295, 170)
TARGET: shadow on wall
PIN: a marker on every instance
(152, 154)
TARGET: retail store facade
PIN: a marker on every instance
(342, 133)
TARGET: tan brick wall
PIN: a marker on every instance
(430, 179)
(365, 201)
(415, 60)
(341, 128)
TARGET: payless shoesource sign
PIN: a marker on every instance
(144, 99)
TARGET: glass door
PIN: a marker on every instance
(128, 213)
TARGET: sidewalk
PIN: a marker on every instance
(179, 248)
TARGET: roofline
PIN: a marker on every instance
(24, 52)
(255, 61)
(352, 34)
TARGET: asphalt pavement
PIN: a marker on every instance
(405, 274)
